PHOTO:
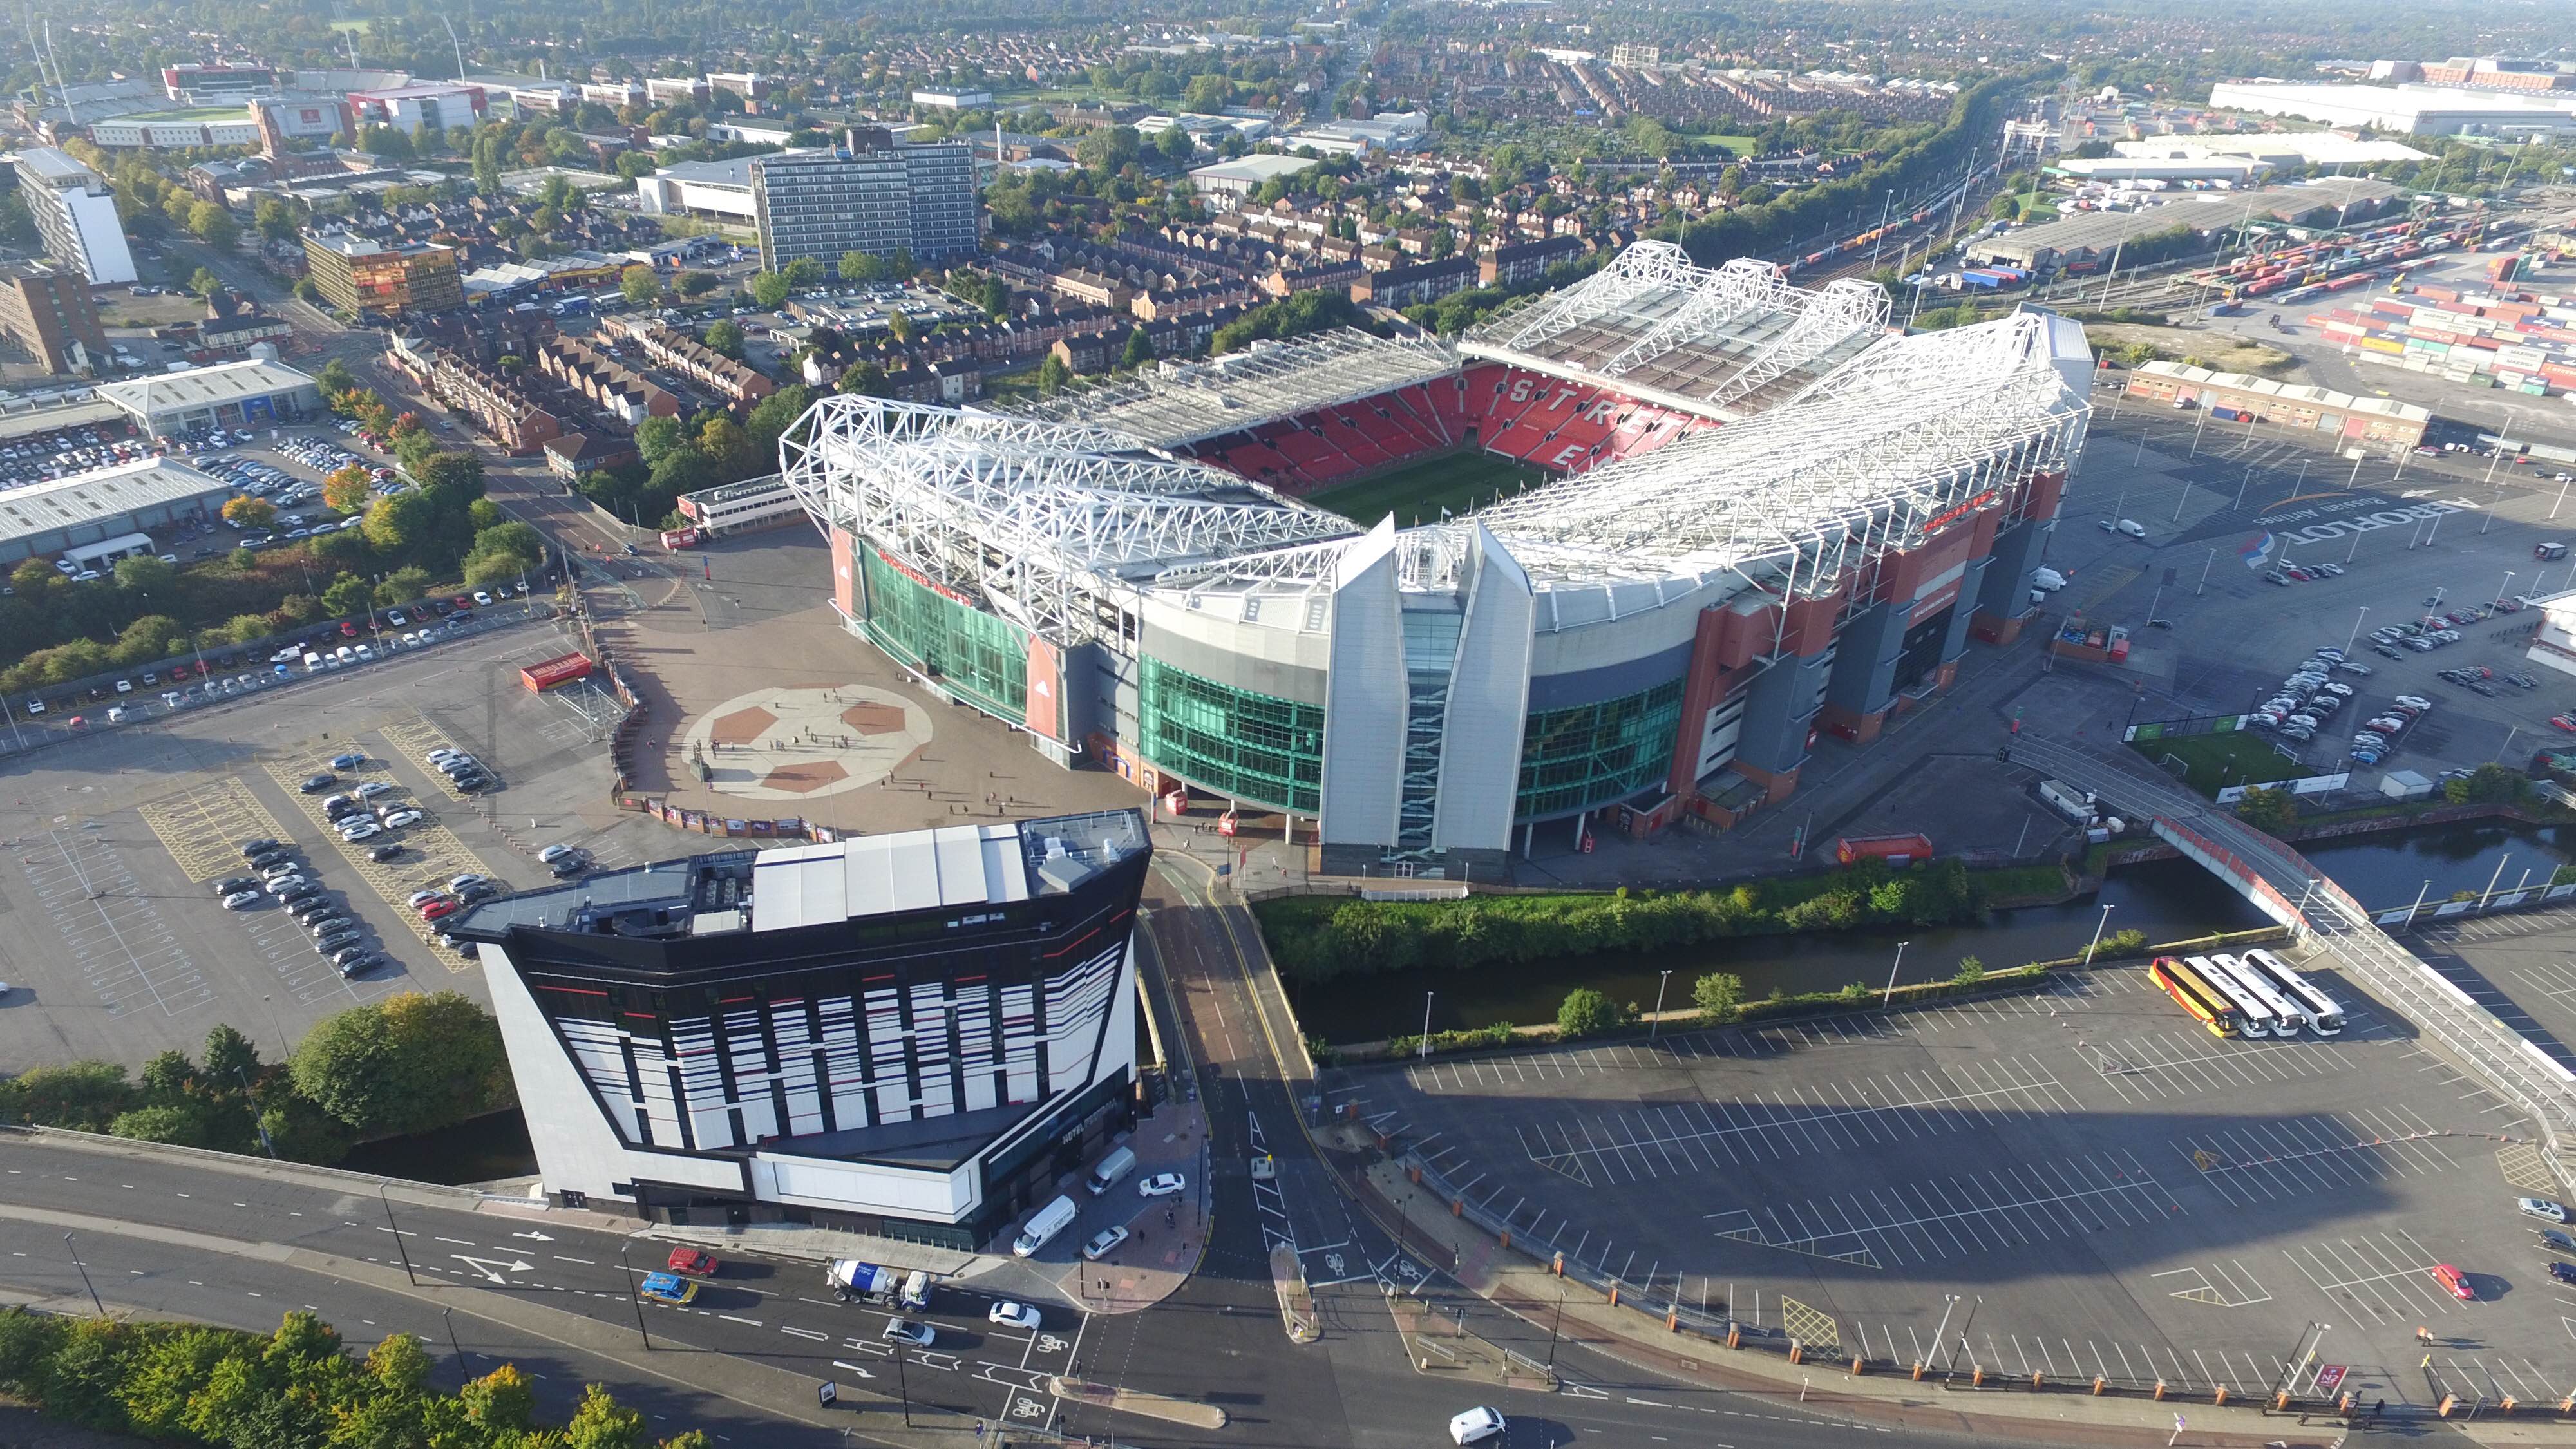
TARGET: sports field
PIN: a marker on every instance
(1459, 482)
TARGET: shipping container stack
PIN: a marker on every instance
(2521, 341)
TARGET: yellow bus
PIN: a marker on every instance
(2196, 995)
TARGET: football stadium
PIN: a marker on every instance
(1662, 529)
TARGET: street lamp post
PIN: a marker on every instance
(2508, 583)
(2364, 612)
(1662, 980)
(2096, 942)
(74, 1249)
(401, 1250)
(1889, 995)
(449, 1314)
(634, 1297)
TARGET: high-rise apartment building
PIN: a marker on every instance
(868, 196)
(358, 274)
(75, 215)
(48, 311)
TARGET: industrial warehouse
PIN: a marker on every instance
(1771, 516)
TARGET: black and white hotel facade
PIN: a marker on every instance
(911, 1034)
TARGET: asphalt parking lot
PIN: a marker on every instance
(115, 944)
(2076, 1183)
(2233, 637)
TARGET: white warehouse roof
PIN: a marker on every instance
(100, 497)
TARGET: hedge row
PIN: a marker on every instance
(1316, 938)
(297, 1388)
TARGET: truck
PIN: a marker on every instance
(851, 1279)
(571, 307)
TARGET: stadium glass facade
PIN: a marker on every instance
(1593, 754)
(980, 658)
(1257, 748)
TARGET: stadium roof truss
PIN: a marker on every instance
(1737, 327)
(1028, 517)
(1178, 403)
(1044, 519)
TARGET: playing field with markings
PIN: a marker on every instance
(433, 854)
(203, 828)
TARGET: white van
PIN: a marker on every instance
(916, 1291)
(2133, 528)
(312, 663)
(1044, 1224)
(1113, 1167)
(2049, 579)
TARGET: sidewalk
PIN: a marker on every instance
(1168, 1236)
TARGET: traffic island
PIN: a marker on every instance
(1296, 1305)
(1189, 1413)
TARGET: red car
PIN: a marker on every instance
(2563, 722)
(461, 601)
(348, 630)
(694, 1262)
(2456, 1281)
(437, 909)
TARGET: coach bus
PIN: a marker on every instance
(2194, 995)
(2284, 1018)
(2253, 1018)
(2314, 1007)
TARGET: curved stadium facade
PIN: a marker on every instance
(1771, 516)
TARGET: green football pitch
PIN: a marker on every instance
(1460, 482)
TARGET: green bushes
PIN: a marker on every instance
(220, 1386)
(1316, 938)
(404, 1064)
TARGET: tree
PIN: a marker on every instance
(205, 284)
(250, 512)
(641, 286)
(406, 1062)
(1053, 376)
(1139, 350)
(656, 437)
(863, 267)
(694, 284)
(214, 225)
(400, 522)
(230, 1056)
(1972, 971)
(997, 298)
(899, 327)
(603, 1423)
(348, 594)
(346, 489)
(725, 337)
(1719, 995)
(1108, 149)
(1585, 1012)
(399, 1364)
(502, 1401)
(1208, 93)
(802, 272)
(866, 380)
(2274, 812)
(773, 415)
(1176, 145)
(769, 289)
(403, 585)
(143, 574)
(334, 378)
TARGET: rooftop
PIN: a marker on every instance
(201, 387)
(53, 164)
(1254, 169)
(100, 497)
(1176, 402)
(807, 885)
(2322, 397)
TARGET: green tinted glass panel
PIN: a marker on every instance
(1257, 748)
(981, 659)
(1592, 754)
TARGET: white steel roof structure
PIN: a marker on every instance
(1029, 518)
(1788, 501)
(1043, 520)
(1178, 403)
(1721, 342)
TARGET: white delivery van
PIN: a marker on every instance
(916, 1291)
(2049, 579)
(1113, 1167)
(2133, 528)
(1043, 1224)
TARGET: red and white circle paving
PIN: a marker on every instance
(801, 742)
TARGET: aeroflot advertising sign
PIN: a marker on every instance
(2335, 516)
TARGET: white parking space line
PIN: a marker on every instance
(112, 932)
(1935, 1218)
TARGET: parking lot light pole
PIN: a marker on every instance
(2355, 635)
(399, 1247)
(1661, 981)
(1425, 1053)
(2508, 583)
(1898, 965)
(2097, 935)
(628, 1273)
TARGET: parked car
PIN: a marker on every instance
(1104, 1243)
(2541, 1208)
(2455, 1281)
(1163, 1184)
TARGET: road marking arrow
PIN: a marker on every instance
(492, 1268)
(540, 1237)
